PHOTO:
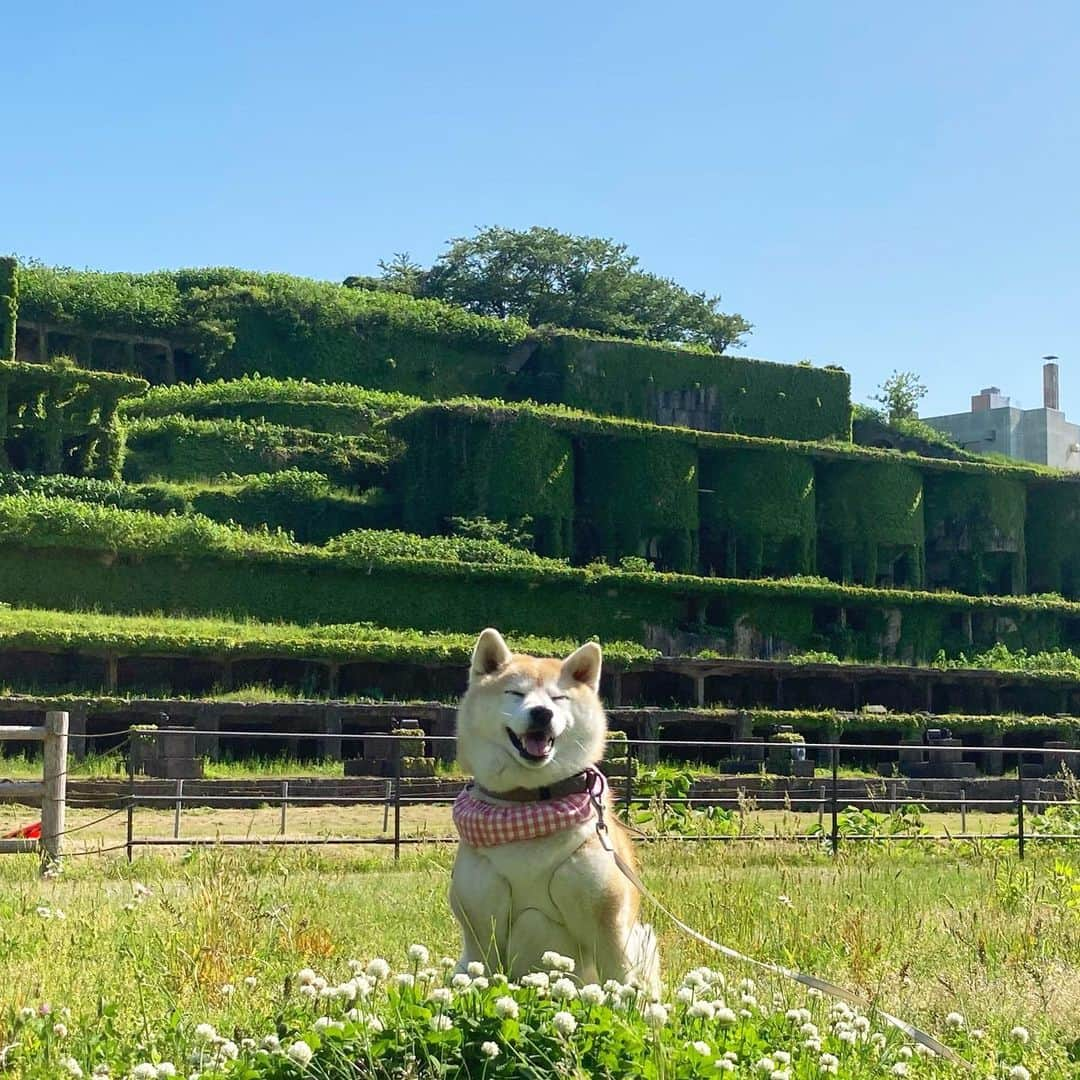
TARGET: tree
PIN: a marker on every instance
(899, 395)
(552, 278)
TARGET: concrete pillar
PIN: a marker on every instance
(168, 367)
(649, 729)
(616, 689)
(444, 723)
(993, 763)
(699, 691)
(330, 745)
(43, 345)
(333, 679)
(207, 719)
(111, 675)
(77, 731)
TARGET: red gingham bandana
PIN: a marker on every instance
(482, 824)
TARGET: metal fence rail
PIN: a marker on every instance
(393, 798)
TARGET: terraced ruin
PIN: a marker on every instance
(216, 479)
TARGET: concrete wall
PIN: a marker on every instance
(1043, 436)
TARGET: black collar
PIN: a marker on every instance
(578, 784)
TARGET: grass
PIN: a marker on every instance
(927, 933)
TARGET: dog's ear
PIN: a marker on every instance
(489, 654)
(583, 666)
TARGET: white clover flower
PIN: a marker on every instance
(144, 1071)
(813, 1045)
(441, 1022)
(1018, 1072)
(765, 1065)
(27, 1013)
(447, 962)
(499, 979)
(780, 1074)
(878, 1040)
(684, 995)
(245, 1044)
(695, 980)
(489, 1049)
(308, 990)
(730, 1055)
(747, 985)
(322, 1023)
(724, 1065)
(899, 1069)
(166, 1069)
(229, 1050)
(655, 1015)
(535, 980)
(227, 990)
(924, 1051)
(355, 966)
(100, 1070)
(301, 1053)
(702, 1010)
(613, 986)
(507, 1008)
(271, 1042)
(378, 969)
(781, 1057)
(480, 983)
(564, 1023)
(809, 1030)
(60, 1030)
(829, 1063)
(861, 1024)
(745, 1014)
(404, 980)
(564, 990)
(306, 977)
(954, 1020)
(71, 1067)
(461, 981)
(419, 955)
(592, 994)
(848, 1035)
(904, 1052)
(44, 912)
(554, 961)
(441, 995)
(701, 1047)
(725, 1016)
(1020, 1034)
(977, 1034)
(475, 969)
(205, 1033)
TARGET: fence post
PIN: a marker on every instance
(132, 736)
(835, 818)
(386, 805)
(821, 810)
(629, 793)
(179, 807)
(397, 798)
(54, 795)
(1020, 838)
(963, 808)
(284, 806)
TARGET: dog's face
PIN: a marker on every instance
(529, 722)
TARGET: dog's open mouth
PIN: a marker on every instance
(535, 746)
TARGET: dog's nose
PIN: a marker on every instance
(540, 716)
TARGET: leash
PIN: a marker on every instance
(826, 987)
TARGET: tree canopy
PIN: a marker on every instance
(552, 278)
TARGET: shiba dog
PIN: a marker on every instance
(530, 731)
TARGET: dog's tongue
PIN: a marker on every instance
(536, 743)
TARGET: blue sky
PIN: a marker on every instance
(875, 186)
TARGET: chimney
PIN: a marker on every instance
(1051, 394)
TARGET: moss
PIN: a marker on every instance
(638, 379)
(757, 513)
(1053, 526)
(638, 497)
(870, 517)
(975, 533)
(497, 466)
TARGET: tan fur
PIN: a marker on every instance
(562, 892)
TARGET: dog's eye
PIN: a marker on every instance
(559, 697)
(516, 693)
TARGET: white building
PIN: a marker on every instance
(993, 426)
